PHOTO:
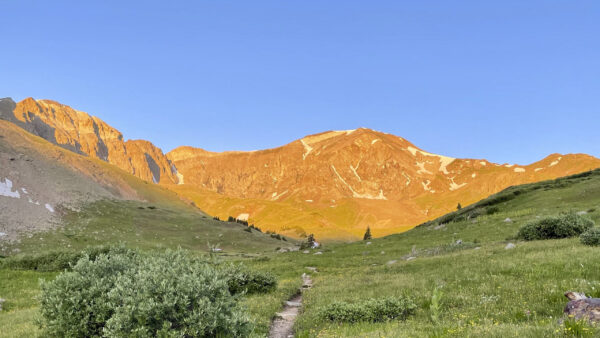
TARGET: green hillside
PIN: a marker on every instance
(486, 289)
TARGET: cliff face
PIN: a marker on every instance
(88, 135)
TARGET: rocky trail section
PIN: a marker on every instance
(282, 325)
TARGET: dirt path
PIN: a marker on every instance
(283, 323)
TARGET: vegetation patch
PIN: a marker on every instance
(371, 310)
(125, 292)
(563, 226)
(591, 237)
(56, 260)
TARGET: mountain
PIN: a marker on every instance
(84, 134)
(333, 184)
(53, 198)
(337, 183)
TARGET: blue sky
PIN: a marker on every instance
(509, 81)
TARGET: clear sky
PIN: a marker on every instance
(509, 81)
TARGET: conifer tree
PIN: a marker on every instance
(367, 235)
(458, 207)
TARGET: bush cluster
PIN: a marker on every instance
(127, 293)
(591, 237)
(371, 310)
(563, 226)
(56, 260)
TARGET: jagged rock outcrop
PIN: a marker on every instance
(88, 135)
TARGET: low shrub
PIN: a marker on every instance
(563, 226)
(241, 280)
(132, 294)
(492, 210)
(371, 310)
(56, 260)
(591, 237)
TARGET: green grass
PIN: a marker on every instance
(487, 290)
(147, 226)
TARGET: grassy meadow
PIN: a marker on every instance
(483, 288)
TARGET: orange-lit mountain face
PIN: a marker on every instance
(332, 184)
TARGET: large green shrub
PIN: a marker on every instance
(563, 226)
(132, 294)
(371, 310)
(591, 237)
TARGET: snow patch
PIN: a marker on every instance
(154, 179)
(474, 175)
(307, 149)
(6, 189)
(309, 201)
(422, 169)
(49, 207)
(243, 217)
(426, 186)
(509, 165)
(519, 170)
(375, 141)
(354, 171)
(276, 197)
(444, 160)
(482, 163)
(407, 178)
(357, 195)
(538, 169)
(455, 186)
(24, 191)
(555, 162)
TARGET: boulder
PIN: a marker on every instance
(581, 307)
(510, 246)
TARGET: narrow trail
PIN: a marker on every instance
(283, 324)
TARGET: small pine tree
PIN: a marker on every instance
(458, 207)
(367, 235)
(311, 240)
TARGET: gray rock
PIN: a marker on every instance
(1, 301)
(368, 243)
(507, 220)
(411, 258)
(391, 262)
(459, 242)
(581, 212)
(318, 253)
(510, 246)
(305, 251)
(311, 268)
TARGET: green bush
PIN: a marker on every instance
(492, 210)
(131, 294)
(563, 226)
(371, 310)
(241, 280)
(591, 237)
(56, 260)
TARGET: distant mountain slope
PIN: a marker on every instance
(337, 183)
(333, 184)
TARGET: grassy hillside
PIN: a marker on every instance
(487, 290)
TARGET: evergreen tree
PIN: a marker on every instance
(458, 207)
(367, 234)
(311, 240)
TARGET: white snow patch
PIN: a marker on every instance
(276, 197)
(154, 179)
(455, 186)
(243, 217)
(24, 191)
(354, 171)
(307, 149)
(6, 189)
(407, 178)
(519, 170)
(482, 163)
(375, 141)
(509, 165)
(555, 162)
(357, 195)
(474, 175)
(49, 207)
(274, 194)
(444, 160)
(426, 186)
(422, 169)
(538, 169)
(309, 201)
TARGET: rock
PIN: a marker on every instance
(1, 301)
(383, 252)
(391, 262)
(581, 307)
(440, 226)
(368, 243)
(581, 212)
(410, 258)
(507, 220)
(305, 251)
(477, 248)
(510, 246)
(318, 253)
(311, 268)
(459, 242)
(294, 304)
